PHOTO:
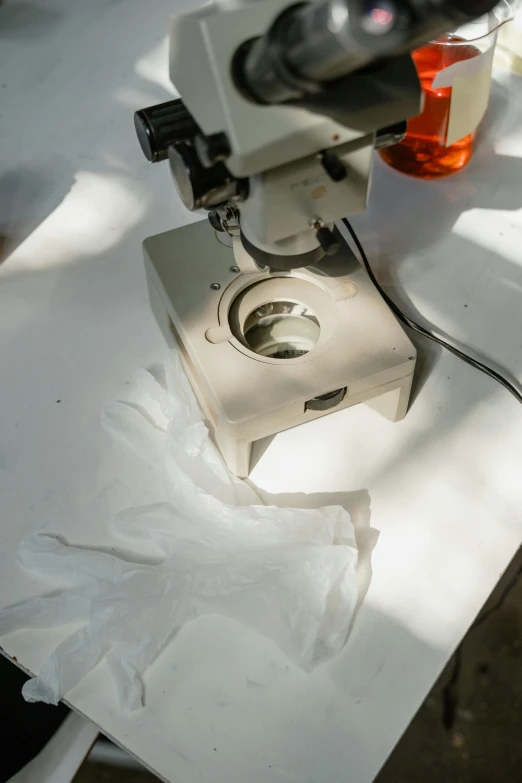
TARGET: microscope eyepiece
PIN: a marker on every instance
(312, 44)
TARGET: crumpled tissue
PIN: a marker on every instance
(289, 574)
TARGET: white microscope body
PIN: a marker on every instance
(282, 107)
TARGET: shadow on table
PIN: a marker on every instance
(413, 221)
(26, 21)
(28, 195)
(410, 215)
(343, 718)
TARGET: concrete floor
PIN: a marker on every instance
(469, 729)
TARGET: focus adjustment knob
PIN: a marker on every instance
(162, 126)
(197, 186)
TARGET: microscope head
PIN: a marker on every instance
(282, 106)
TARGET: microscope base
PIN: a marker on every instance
(360, 353)
(392, 404)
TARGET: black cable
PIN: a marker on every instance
(510, 387)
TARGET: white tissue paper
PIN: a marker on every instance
(288, 574)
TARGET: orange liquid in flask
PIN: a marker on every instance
(424, 153)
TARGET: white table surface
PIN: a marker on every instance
(439, 495)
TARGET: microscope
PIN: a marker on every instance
(282, 106)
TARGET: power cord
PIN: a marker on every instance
(510, 387)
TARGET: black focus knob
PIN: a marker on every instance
(328, 241)
(334, 166)
(199, 187)
(161, 126)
